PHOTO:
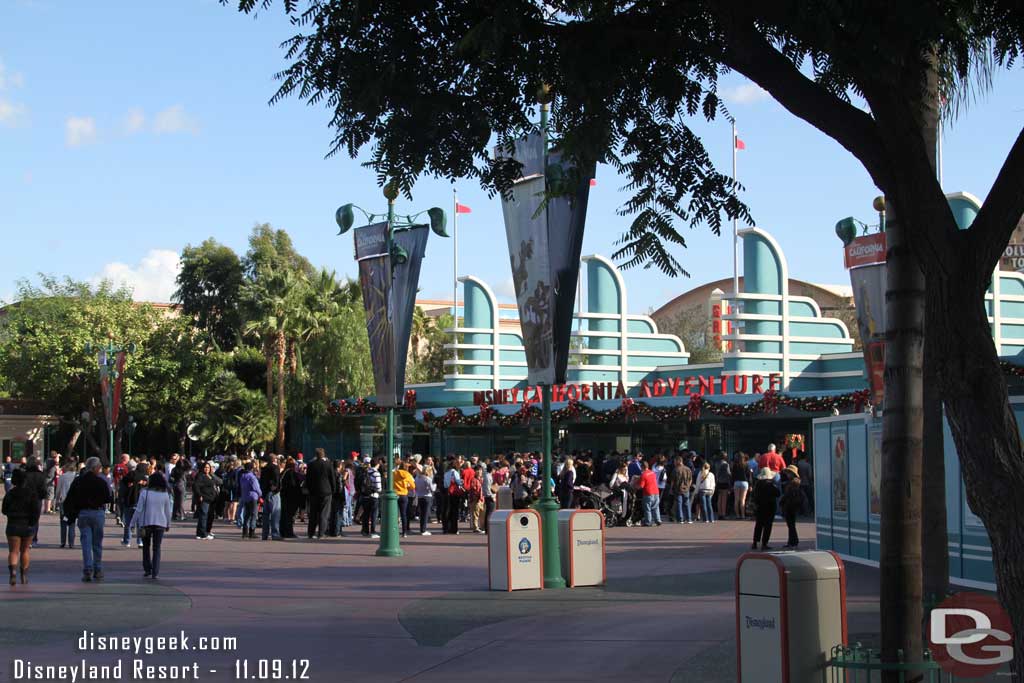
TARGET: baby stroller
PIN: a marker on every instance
(584, 498)
(616, 506)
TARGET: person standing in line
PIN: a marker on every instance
(475, 498)
(647, 487)
(291, 491)
(369, 495)
(424, 496)
(349, 491)
(455, 492)
(136, 481)
(320, 483)
(490, 490)
(723, 484)
(153, 513)
(740, 484)
(806, 474)
(22, 507)
(178, 477)
(87, 500)
(120, 472)
(660, 469)
(337, 500)
(766, 498)
(50, 475)
(67, 527)
(204, 492)
(705, 490)
(250, 498)
(791, 502)
(680, 480)
(566, 482)
(270, 485)
(404, 485)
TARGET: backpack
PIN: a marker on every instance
(723, 472)
(364, 482)
(455, 488)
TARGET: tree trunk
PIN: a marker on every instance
(73, 441)
(987, 439)
(900, 591)
(281, 348)
(269, 353)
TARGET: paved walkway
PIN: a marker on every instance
(666, 614)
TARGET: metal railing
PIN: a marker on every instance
(859, 664)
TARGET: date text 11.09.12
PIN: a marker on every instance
(272, 670)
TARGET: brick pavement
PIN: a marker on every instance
(667, 612)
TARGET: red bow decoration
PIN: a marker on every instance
(573, 409)
(771, 401)
(486, 413)
(427, 417)
(694, 407)
(629, 409)
(860, 399)
(410, 399)
(524, 413)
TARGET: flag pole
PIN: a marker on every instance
(735, 233)
(455, 273)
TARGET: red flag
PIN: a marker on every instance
(462, 208)
(593, 182)
(739, 143)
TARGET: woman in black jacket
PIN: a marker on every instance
(766, 499)
(291, 495)
(21, 506)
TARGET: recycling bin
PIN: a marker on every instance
(514, 557)
(504, 499)
(581, 543)
(790, 613)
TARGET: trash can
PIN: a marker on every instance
(514, 557)
(504, 499)
(790, 613)
(581, 540)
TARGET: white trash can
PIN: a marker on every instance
(790, 613)
(581, 542)
(503, 500)
(515, 560)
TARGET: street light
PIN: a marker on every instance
(345, 217)
(111, 364)
(132, 424)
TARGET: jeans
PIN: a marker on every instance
(249, 515)
(272, 516)
(403, 513)
(202, 510)
(652, 515)
(346, 511)
(90, 524)
(67, 529)
(126, 516)
(424, 505)
(370, 515)
(152, 537)
(705, 505)
(683, 508)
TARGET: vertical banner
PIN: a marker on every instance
(865, 257)
(544, 240)
(375, 280)
(404, 286)
(108, 408)
(118, 385)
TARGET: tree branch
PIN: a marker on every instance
(1001, 211)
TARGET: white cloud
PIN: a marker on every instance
(12, 114)
(151, 279)
(134, 121)
(747, 93)
(174, 119)
(79, 130)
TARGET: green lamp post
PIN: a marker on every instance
(110, 379)
(390, 545)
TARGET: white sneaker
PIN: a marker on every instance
(209, 537)
(425, 533)
(374, 535)
(200, 538)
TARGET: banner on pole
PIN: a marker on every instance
(544, 240)
(869, 282)
(119, 363)
(405, 284)
(101, 360)
(371, 243)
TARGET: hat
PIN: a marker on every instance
(354, 455)
(417, 457)
(366, 458)
(793, 469)
(766, 473)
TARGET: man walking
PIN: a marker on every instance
(270, 485)
(89, 496)
(67, 526)
(321, 483)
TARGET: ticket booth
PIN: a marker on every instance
(790, 613)
(581, 542)
(515, 560)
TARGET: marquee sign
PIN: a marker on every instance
(604, 391)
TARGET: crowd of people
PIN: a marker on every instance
(273, 493)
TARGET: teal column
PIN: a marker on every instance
(761, 275)
(477, 313)
(602, 297)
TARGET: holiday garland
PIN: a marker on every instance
(363, 406)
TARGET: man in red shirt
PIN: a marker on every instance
(647, 487)
(772, 460)
(119, 472)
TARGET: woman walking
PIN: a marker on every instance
(790, 504)
(249, 499)
(705, 490)
(152, 518)
(766, 498)
(21, 507)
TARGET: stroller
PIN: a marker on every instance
(619, 507)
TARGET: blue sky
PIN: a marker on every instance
(128, 130)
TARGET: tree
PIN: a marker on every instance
(209, 289)
(428, 85)
(692, 327)
(237, 418)
(426, 350)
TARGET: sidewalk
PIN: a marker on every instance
(667, 612)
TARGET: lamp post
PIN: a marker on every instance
(132, 424)
(389, 534)
(111, 376)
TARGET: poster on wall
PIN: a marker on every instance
(840, 490)
(875, 470)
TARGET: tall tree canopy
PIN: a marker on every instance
(209, 289)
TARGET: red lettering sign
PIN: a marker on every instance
(865, 250)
